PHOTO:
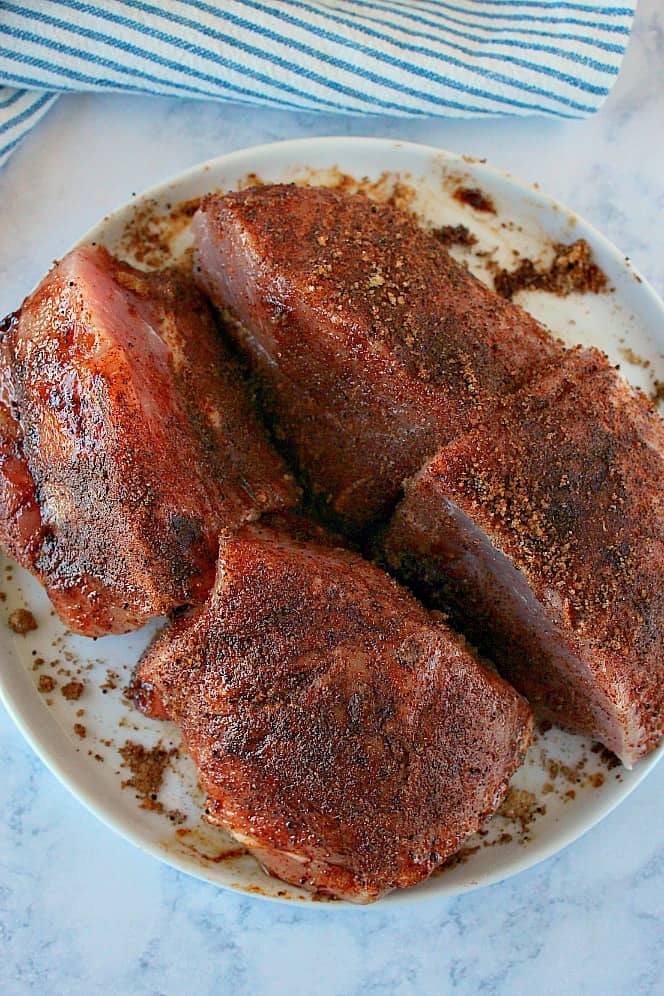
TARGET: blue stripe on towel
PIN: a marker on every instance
(432, 57)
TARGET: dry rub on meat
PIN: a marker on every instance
(372, 345)
(127, 441)
(542, 530)
(346, 738)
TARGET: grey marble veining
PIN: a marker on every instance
(81, 911)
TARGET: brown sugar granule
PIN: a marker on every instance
(80, 730)
(147, 766)
(572, 269)
(73, 690)
(22, 621)
(475, 198)
(454, 235)
(46, 683)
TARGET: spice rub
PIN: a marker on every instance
(572, 269)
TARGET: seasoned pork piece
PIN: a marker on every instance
(346, 738)
(542, 530)
(372, 345)
(127, 442)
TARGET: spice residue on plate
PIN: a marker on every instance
(657, 393)
(454, 235)
(475, 198)
(148, 766)
(201, 842)
(46, 683)
(73, 690)
(150, 233)
(520, 806)
(22, 621)
(459, 858)
(634, 358)
(395, 189)
(572, 269)
(112, 680)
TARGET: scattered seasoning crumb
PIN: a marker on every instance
(454, 235)
(519, 805)
(22, 621)
(475, 198)
(112, 679)
(657, 393)
(147, 766)
(176, 816)
(149, 236)
(572, 269)
(46, 683)
(250, 180)
(401, 196)
(80, 730)
(634, 358)
(73, 690)
(606, 756)
(459, 858)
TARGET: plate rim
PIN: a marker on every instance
(46, 738)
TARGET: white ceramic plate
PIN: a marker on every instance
(564, 786)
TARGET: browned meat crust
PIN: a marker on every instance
(348, 740)
(543, 530)
(373, 346)
(127, 441)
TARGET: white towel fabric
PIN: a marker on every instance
(457, 58)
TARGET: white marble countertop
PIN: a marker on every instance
(81, 911)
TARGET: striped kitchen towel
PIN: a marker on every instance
(458, 58)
